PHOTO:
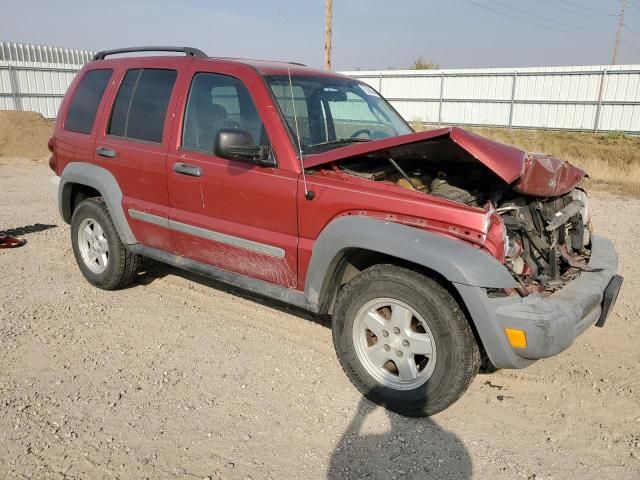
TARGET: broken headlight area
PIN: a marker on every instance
(548, 239)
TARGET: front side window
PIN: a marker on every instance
(141, 104)
(332, 112)
(219, 102)
(86, 100)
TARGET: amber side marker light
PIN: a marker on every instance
(517, 338)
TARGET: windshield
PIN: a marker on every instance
(333, 112)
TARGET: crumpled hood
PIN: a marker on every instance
(547, 176)
(529, 174)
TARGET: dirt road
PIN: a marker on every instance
(179, 377)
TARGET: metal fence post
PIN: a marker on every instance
(441, 97)
(513, 98)
(596, 123)
(380, 83)
(13, 88)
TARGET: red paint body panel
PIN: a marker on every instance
(232, 198)
(547, 176)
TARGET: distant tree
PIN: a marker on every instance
(421, 64)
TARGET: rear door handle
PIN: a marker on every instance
(187, 169)
(106, 152)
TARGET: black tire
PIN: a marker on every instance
(122, 266)
(458, 356)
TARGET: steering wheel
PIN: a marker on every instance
(360, 132)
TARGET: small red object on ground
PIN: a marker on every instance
(11, 242)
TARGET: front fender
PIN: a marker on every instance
(454, 260)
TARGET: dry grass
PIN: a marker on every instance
(612, 160)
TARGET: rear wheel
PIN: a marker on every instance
(102, 257)
(403, 340)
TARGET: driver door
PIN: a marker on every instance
(229, 214)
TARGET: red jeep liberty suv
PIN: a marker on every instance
(432, 252)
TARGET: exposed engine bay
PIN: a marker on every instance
(547, 238)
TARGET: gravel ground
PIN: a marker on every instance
(181, 377)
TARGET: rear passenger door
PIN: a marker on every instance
(133, 145)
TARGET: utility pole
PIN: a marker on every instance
(619, 32)
(328, 20)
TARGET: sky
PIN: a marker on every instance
(367, 34)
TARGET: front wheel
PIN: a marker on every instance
(403, 341)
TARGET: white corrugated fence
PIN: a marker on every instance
(591, 98)
(35, 78)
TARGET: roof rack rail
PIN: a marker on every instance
(189, 51)
(260, 60)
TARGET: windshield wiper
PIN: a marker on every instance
(339, 141)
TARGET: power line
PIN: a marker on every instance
(631, 30)
(577, 12)
(588, 9)
(634, 12)
(634, 47)
(546, 18)
(547, 27)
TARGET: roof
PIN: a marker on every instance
(276, 67)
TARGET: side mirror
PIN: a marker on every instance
(236, 144)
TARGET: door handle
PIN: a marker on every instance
(106, 152)
(187, 169)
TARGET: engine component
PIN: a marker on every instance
(442, 188)
(417, 183)
(551, 235)
(563, 216)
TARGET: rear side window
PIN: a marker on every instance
(85, 101)
(141, 104)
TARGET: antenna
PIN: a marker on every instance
(307, 193)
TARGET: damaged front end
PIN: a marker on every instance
(546, 221)
(548, 238)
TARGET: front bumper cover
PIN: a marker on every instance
(551, 323)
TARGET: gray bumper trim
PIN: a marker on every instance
(54, 189)
(551, 323)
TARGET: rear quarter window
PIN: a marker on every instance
(86, 99)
